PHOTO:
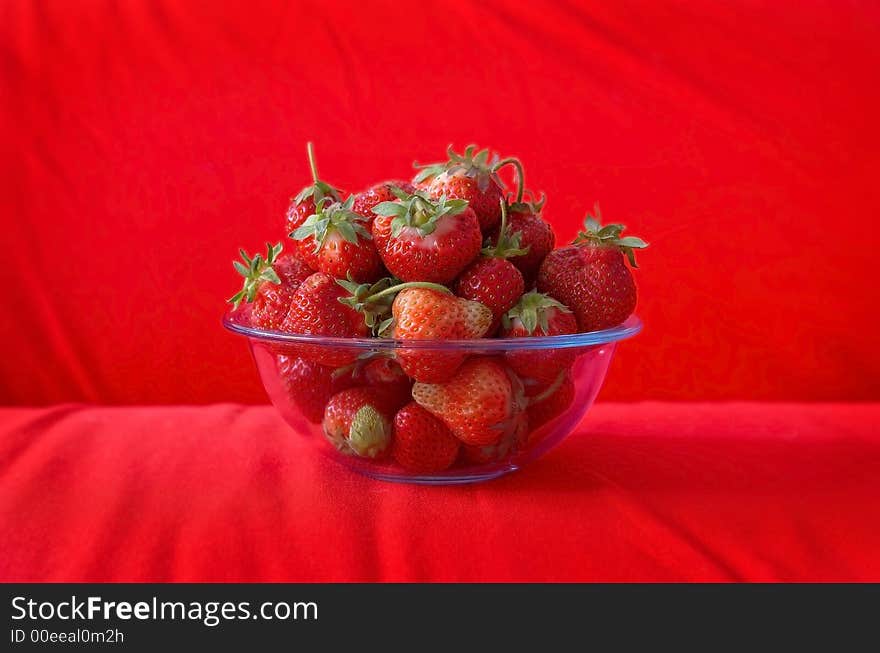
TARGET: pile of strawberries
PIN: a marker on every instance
(446, 256)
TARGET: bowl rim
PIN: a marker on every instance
(627, 329)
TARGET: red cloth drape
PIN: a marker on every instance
(145, 141)
(645, 492)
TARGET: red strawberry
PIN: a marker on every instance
(315, 309)
(509, 444)
(385, 375)
(472, 177)
(492, 280)
(551, 403)
(303, 205)
(422, 443)
(269, 285)
(422, 240)
(536, 237)
(457, 185)
(367, 200)
(537, 314)
(495, 283)
(479, 404)
(310, 385)
(591, 277)
(358, 421)
(428, 314)
(335, 241)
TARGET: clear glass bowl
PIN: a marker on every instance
(301, 372)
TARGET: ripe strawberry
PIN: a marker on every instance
(492, 280)
(537, 314)
(385, 375)
(315, 309)
(358, 421)
(551, 403)
(472, 177)
(309, 385)
(428, 314)
(591, 277)
(367, 200)
(479, 404)
(423, 240)
(510, 443)
(422, 443)
(335, 241)
(536, 237)
(304, 204)
(269, 285)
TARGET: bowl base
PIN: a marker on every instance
(441, 478)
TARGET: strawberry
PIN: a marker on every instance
(309, 385)
(358, 421)
(424, 240)
(385, 375)
(536, 237)
(304, 204)
(492, 280)
(472, 177)
(269, 285)
(422, 443)
(551, 403)
(335, 241)
(315, 309)
(479, 404)
(420, 310)
(510, 443)
(429, 314)
(591, 277)
(536, 314)
(367, 200)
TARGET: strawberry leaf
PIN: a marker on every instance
(389, 209)
(428, 171)
(383, 329)
(480, 165)
(255, 273)
(336, 217)
(270, 275)
(532, 206)
(418, 210)
(609, 236)
(632, 241)
(533, 309)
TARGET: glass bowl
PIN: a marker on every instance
(302, 372)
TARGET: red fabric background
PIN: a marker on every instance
(143, 142)
(652, 491)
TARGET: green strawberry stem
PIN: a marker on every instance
(502, 230)
(507, 245)
(520, 174)
(421, 211)
(310, 150)
(409, 284)
(553, 387)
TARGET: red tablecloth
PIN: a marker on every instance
(647, 491)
